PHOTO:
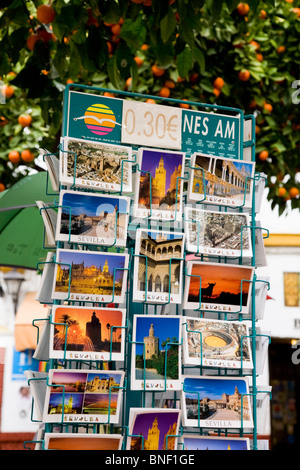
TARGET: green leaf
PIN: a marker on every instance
(134, 33)
(184, 62)
(114, 73)
(199, 58)
(124, 60)
(167, 26)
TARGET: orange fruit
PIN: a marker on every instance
(3, 121)
(294, 192)
(216, 91)
(107, 93)
(110, 47)
(128, 82)
(243, 9)
(164, 92)
(244, 75)
(297, 11)
(180, 79)
(268, 107)
(219, 83)
(281, 191)
(7, 91)
(169, 84)
(45, 14)
(157, 71)
(252, 104)
(31, 40)
(144, 47)
(116, 29)
(92, 19)
(193, 77)
(14, 156)
(25, 120)
(147, 3)
(184, 105)
(139, 61)
(259, 57)
(263, 155)
(280, 49)
(27, 156)
(257, 130)
(263, 14)
(2, 187)
(151, 101)
(255, 45)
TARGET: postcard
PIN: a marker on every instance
(79, 396)
(92, 219)
(81, 441)
(192, 442)
(158, 265)
(216, 343)
(96, 166)
(156, 353)
(221, 181)
(86, 333)
(216, 402)
(90, 276)
(153, 429)
(217, 233)
(218, 287)
(159, 184)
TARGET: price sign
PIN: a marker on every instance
(151, 125)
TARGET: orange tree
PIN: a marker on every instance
(235, 54)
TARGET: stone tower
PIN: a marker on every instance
(151, 344)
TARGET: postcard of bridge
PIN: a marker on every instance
(95, 165)
(221, 181)
(92, 219)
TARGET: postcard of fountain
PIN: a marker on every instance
(192, 443)
(218, 287)
(75, 441)
(216, 402)
(159, 185)
(158, 266)
(78, 396)
(217, 233)
(222, 181)
(216, 343)
(86, 333)
(90, 276)
(156, 353)
(153, 429)
(92, 219)
(96, 166)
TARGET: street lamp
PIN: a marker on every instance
(14, 281)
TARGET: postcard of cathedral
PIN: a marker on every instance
(83, 396)
(191, 442)
(86, 333)
(218, 287)
(153, 429)
(216, 343)
(90, 276)
(159, 185)
(217, 233)
(158, 266)
(92, 219)
(216, 402)
(81, 441)
(156, 353)
(94, 165)
(222, 181)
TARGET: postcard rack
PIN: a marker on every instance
(157, 297)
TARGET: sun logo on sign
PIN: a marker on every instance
(99, 119)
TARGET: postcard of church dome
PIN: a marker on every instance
(90, 276)
(191, 442)
(86, 333)
(96, 166)
(218, 287)
(156, 353)
(216, 343)
(153, 429)
(159, 185)
(83, 396)
(221, 181)
(217, 233)
(81, 441)
(216, 402)
(158, 265)
(92, 219)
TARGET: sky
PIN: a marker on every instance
(213, 444)
(213, 388)
(145, 420)
(150, 162)
(91, 205)
(164, 328)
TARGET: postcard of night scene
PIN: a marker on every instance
(216, 402)
(217, 287)
(192, 443)
(86, 333)
(221, 181)
(81, 441)
(159, 185)
(216, 343)
(92, 219)
(156, 353)
(90, 276)
(217, 233)
(158, 265)
(96, 166)
(153, 429)
(78, 396)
